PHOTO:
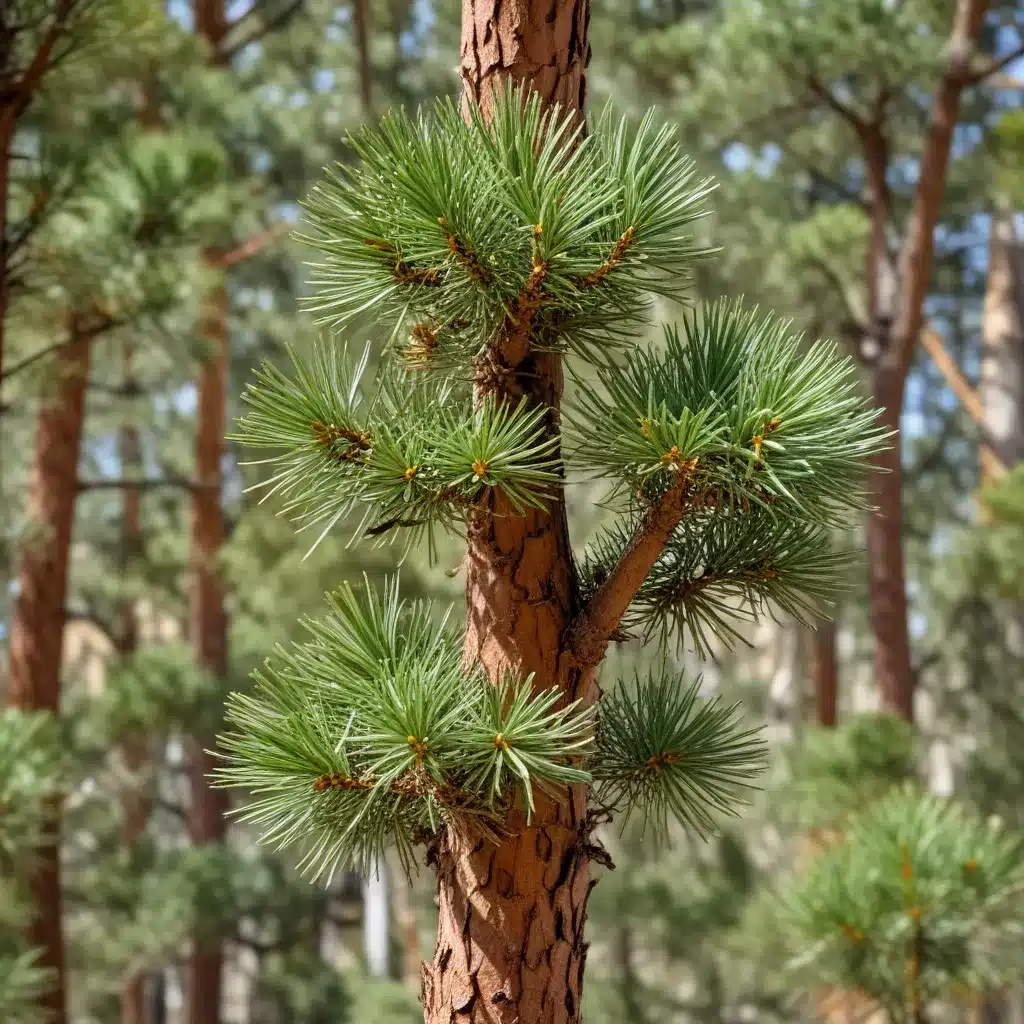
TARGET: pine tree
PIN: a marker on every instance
(503, 244)
(920, 899)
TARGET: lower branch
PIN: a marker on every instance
(595, 625)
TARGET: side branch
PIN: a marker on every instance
(595, 625)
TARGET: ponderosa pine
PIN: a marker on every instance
(503, 243)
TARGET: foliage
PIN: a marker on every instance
(371, 730)
(920, 896)
(838, 771)
(477, 238)
(666, 754)
(30, 780)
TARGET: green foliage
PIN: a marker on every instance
(768, 421)
(301, 989)
(30, 780)
(837, 771)
(370, 732)
(919, 897)
(720, 570)
(465, 227)
(409, 455)
(666, 754)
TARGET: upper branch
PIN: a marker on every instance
(592, 629)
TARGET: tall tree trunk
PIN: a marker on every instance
(887, 588)
(896, 297)
(38, 629)
(1001, 388)
(209, 627)
(510, 932)
(208, 620)
(361, 32)
(135, 800)
(825, 672)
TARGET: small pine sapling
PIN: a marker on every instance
(502, 250)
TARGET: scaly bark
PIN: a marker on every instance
(38, 628)
(510, 932)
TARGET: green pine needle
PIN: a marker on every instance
(915, 879)
(666, 754)
(754, 415)
(371, 732)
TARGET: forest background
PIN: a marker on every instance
(152, 161)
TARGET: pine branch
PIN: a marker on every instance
(664, 754)
(371, 732)
(419, 454)
(599, 621)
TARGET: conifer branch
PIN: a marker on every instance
(600, 619)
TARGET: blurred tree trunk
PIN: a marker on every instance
(897, 284)
(208, 615)
(136, 800)
(825, 672)
(1001, 388)
(209, 628)
(376, 921)
(37, 632)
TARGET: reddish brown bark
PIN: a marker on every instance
(896, 316)
(208, 615)
(38, 628)
(825, 673)
(510, 933)
(208, 626)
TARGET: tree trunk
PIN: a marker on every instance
(510, 932)
(376, 921)
(209, 628)
(894, 673)
(37, 632)
(825, 673)
(6, 133)
(1001, 388)
(208, 618)
(135, 801)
